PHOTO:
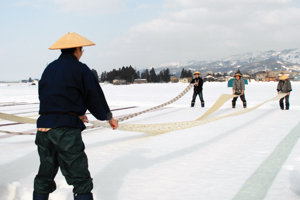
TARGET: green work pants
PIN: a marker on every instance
(62, 148)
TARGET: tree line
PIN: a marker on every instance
(129, 74)
(186, 73)
(152, 77)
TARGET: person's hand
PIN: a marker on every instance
(278, 92)
(84, 119)
(113, 123)
(288, 93)
(242, 93)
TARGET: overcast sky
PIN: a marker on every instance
(142, 33)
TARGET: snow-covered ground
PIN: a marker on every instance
(208, 162)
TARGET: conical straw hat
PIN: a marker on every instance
(71, 40)
(196, 72)
(238, 73)
(283, 77)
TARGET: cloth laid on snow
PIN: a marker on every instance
(163, 127)
(173, 126)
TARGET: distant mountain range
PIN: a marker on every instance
(286, 60)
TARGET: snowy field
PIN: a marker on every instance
(241, 157)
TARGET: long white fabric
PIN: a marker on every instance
(167, 127)
(160, 127)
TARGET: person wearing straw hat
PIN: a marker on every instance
(284, 86)
(238, 87)
(198, 88)
(66, 90)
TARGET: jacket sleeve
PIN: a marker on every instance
(289, 86)
(278, 86)
(243, 84)
(94, 97)
(201, 82)
(234, 85)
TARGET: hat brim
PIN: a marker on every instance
(240, 75)
(283, 77)
(71, 40)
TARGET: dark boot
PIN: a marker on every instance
(37, 196)
(281, 105)
(233, 104)
(287, 106)
(245, 104)
(83, 196)
(202, 104)
(192, 104)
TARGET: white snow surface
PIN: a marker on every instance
(207, 162)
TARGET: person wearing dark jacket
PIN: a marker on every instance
(198, 88)
(284, 86)
(238, 88)
(66, 90)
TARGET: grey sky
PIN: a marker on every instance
(142, 33)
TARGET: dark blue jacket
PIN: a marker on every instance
(198, 88)
(66, 90)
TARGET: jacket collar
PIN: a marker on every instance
(67, 56)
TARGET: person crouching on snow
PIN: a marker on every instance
(238, 88)
(198, 87)
(284, 86)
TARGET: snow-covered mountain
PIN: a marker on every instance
(286, 60)
(289, 55)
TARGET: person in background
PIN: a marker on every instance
(284, 86)
(66, 90)
(198, 88)
(238, 88)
